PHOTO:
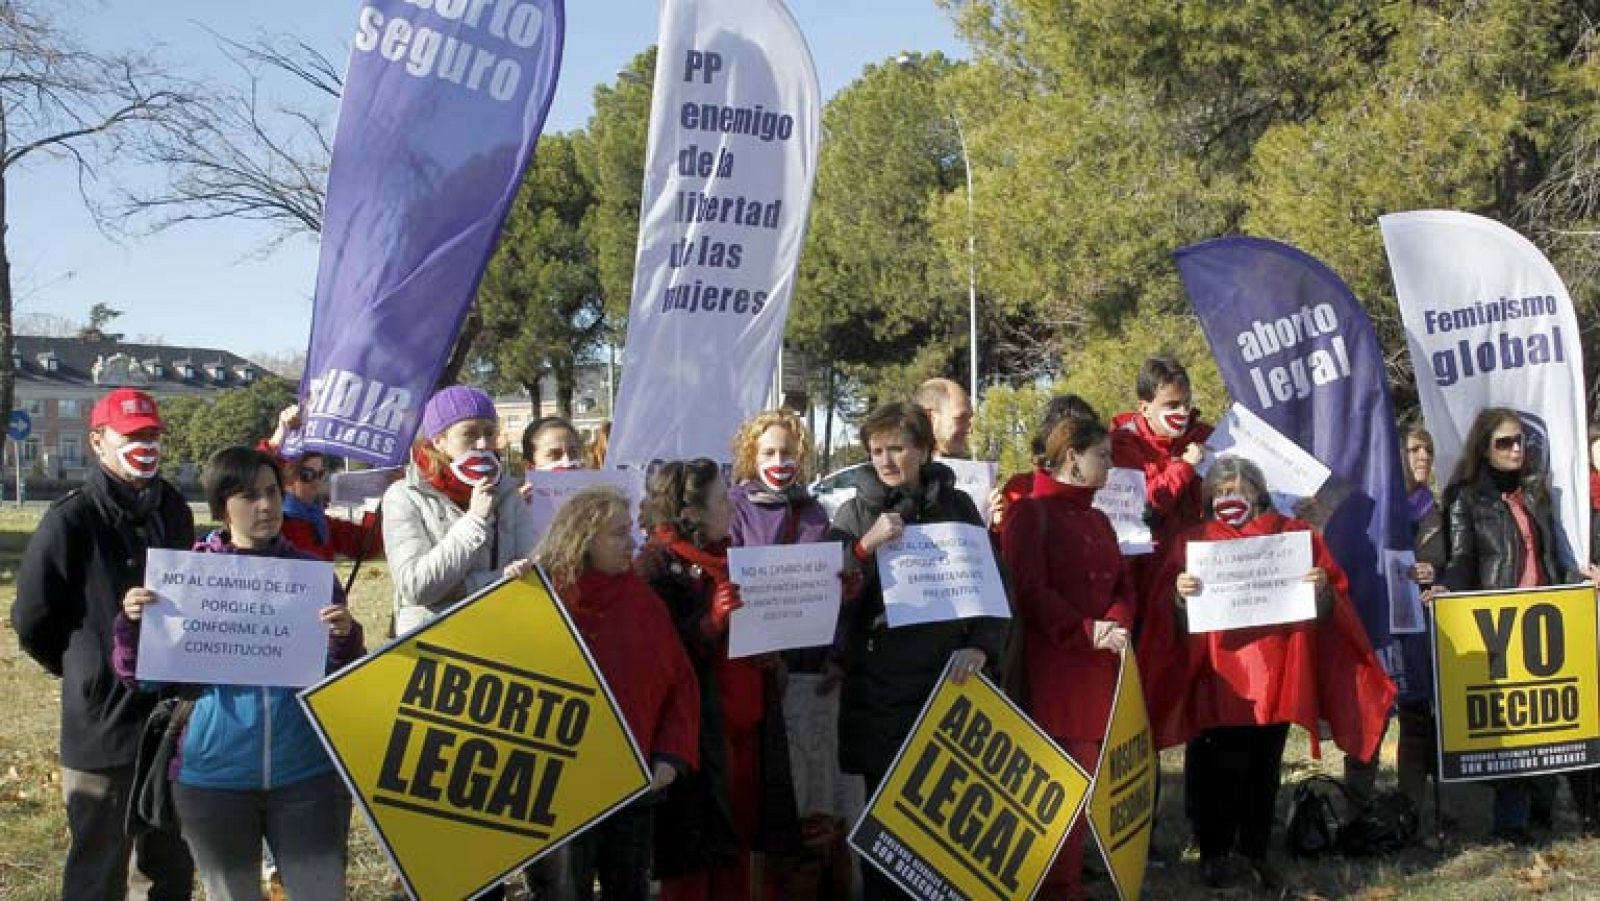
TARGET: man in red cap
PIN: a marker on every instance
(87, 553)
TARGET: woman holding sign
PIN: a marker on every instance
(1236, 691)
(1076, 602)
(741, 802)
(889, 673)
(453, 526)
(1501, 533)
(249, 766)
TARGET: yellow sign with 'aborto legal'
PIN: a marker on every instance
(480, 741)
(977, 803)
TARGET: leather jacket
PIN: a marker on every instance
(1485, 546)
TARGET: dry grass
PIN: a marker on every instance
(32, 829)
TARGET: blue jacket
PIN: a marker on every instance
(246, 737)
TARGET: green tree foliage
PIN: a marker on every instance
(199, 426)
(540, 298)
(613, 162)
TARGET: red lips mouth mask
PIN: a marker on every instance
(779, 475)
(1175, 421)
(1232, 509)
(477, 467)
(140, 459)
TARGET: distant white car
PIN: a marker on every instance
(835, 488)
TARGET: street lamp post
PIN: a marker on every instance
(908, 61)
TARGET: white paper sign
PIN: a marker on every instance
(552, 488)
(790, 593)
(1405, 595)
(1122, 500)
(1291, 473)
(359, 486)
(234, 619)
(975, 478)
(1246, 582)
(939, 572)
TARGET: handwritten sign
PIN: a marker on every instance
(1292, 474)
(1122, 500)
(233, 619)
(975, 478)
(791, 597)
(1247, 582)
(551, 489)
(940, 572)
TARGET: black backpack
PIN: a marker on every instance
(1313, 827)
(1317, 827)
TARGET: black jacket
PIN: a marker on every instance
(889, 673)
(1485, 546)
(87, 552)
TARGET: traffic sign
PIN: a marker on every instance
(19, 426)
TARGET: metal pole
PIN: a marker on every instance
(972, 267)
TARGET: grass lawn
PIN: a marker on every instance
(32, 827)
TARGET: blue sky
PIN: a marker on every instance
(215, 284)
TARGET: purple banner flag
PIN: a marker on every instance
(1295, 346)
(443, 104)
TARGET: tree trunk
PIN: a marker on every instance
(8, 373)
(566, 384)
(535, 389)
(827, 430)
(470, 328)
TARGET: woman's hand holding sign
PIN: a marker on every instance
(134, 602)
(887, 528)
(964, 663)
(337, 618)
(1188, 586)
(1109, 636)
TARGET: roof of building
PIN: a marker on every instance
(103, 363)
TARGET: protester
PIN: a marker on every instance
(87, 553)
(250, 768)
(1019, 486)
(771, 466)
(890, 672)
(1501, 533)
(1076, 602)
(1232, 694)
(1417, 755)
(588, 555)
(950, 410)
(306, 523)
(740, 803)
(595, 455)
(551, 443)
(453, 526)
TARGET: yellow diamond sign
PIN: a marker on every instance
(480, 741)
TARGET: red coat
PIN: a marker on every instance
(637, 649)
(345, 539)
(1066, 573)
(1172, 487)
(1300, 673)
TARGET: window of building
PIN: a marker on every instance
(34, 406)
(69, 408)
(71, 451)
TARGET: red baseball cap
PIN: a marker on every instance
(125, 411)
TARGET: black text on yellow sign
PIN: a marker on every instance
(1122, 801)
(976, 804)
(1518, 685)
(480, 741)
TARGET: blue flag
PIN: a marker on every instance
(1295, 346)
(443, 104)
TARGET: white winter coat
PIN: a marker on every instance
(438, 554)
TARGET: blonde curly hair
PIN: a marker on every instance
(749, 435)
(564, 552)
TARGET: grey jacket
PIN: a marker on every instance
(438, 554)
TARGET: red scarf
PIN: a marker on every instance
(712, 560)
(442, 478)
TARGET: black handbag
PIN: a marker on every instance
(150, 807)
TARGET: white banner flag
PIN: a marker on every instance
(1490, 324)
(735, 125)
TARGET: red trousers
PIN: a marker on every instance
(1065, 879)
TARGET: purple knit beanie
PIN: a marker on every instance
(453, 404)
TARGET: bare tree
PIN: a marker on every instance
(61, 100)
(235, 154)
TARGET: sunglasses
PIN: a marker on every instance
(1507, 442)
(311, 475)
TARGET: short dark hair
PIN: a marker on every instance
(1159, 371)
(233, 471)
(674, 486)
(909, 418)
(535, 428)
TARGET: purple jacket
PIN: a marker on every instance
(761, 517)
